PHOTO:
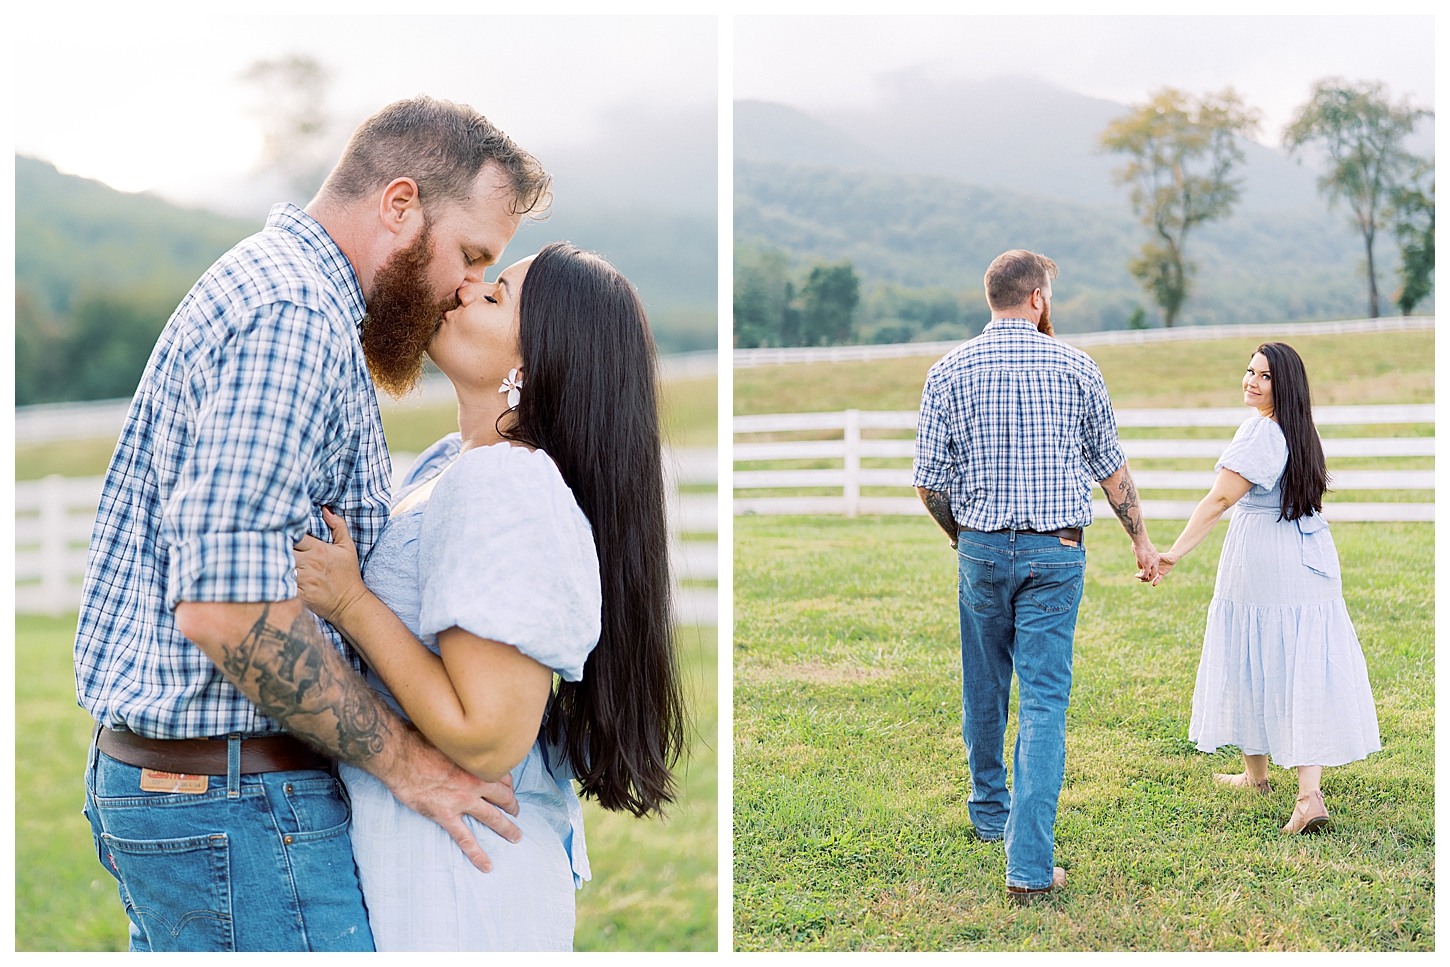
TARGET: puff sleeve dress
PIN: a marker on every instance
(500, 548)
(1281, 672)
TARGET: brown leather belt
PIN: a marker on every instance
(1071, 533)
(208, 757)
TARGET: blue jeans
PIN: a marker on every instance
(257, 862)
(1018, 595)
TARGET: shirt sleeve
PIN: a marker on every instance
(1101, 450)
(505, 553)
(1258, 453)
(935, 463)
(258, 411)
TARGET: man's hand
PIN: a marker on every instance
(429, 783)
(275, 655)
(1149, 561)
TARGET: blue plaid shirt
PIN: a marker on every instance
(256, 409)
(1016, 426)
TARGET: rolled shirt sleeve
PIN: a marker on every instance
(934, 464)
(258, 415)
(1101, 451)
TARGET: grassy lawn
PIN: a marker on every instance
(654, 885)
(851, 827)
(1390, 367)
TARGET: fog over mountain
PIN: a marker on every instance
(1017, 133)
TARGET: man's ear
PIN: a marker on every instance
(399, 204)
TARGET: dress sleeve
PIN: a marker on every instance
(505, 553)
(1258, 453)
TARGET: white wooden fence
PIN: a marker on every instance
(54, 517)
(850, 449)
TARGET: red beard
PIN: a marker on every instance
(402, 317)
(1044, 325)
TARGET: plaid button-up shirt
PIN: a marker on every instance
(256, 409)
(1016, 426)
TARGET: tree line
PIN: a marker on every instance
(1183, 156)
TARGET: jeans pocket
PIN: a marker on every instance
(179, 890)
(1055, 586)
(975, 582)
(317, 804)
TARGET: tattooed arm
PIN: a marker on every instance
(1123, 498)
(275, 655)
(939, 505)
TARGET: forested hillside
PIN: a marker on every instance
(98, 272)
(932, 232)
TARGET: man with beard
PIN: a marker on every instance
(1014, 428)
(220, 701)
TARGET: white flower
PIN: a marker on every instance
(511, 386)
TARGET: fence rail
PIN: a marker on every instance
(851, 449)
(748, 358)
(54, 518)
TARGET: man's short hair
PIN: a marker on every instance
(442, 146)
(1012, 277)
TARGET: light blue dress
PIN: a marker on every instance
(1281, 672)
(499, 548)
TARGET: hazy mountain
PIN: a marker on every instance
(1009, 132)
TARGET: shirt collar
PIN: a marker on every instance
(290, 218)
(1016, 322)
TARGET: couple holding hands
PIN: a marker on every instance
(1014, 429)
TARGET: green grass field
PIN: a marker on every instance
(1391, 367)
(654, 885)
(851, 827)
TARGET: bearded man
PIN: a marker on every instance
(221, 703)
(1014, 428)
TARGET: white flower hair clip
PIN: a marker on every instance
(511, 386)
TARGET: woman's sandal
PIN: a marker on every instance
(1242, 781)
(1311, 824)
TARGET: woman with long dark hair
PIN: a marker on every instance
(1281, 674)
(516, 607)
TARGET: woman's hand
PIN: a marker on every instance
(328, 579)
(1166, 560)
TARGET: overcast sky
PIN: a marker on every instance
(156, 103)
(837, 61)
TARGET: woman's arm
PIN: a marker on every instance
(480, 703)
(1227, 489)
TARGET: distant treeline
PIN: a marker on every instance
(823, 305)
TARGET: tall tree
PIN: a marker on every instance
(296, 126)
(829, 300)
(1183, 150)
(1415, 229)
(1362, 135)
(762, 299)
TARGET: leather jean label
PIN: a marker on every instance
(155, 781)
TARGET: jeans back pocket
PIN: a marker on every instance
(179, 890)
(975, 577)
(1055, 586)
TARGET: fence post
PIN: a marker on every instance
(53, 545)
(853, 462)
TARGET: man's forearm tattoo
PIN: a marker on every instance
(1123, 498)
(302, 683)
(939, 505)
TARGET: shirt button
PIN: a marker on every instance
(287, 840)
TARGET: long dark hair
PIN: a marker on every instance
(1305, 476)
(590, 404)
